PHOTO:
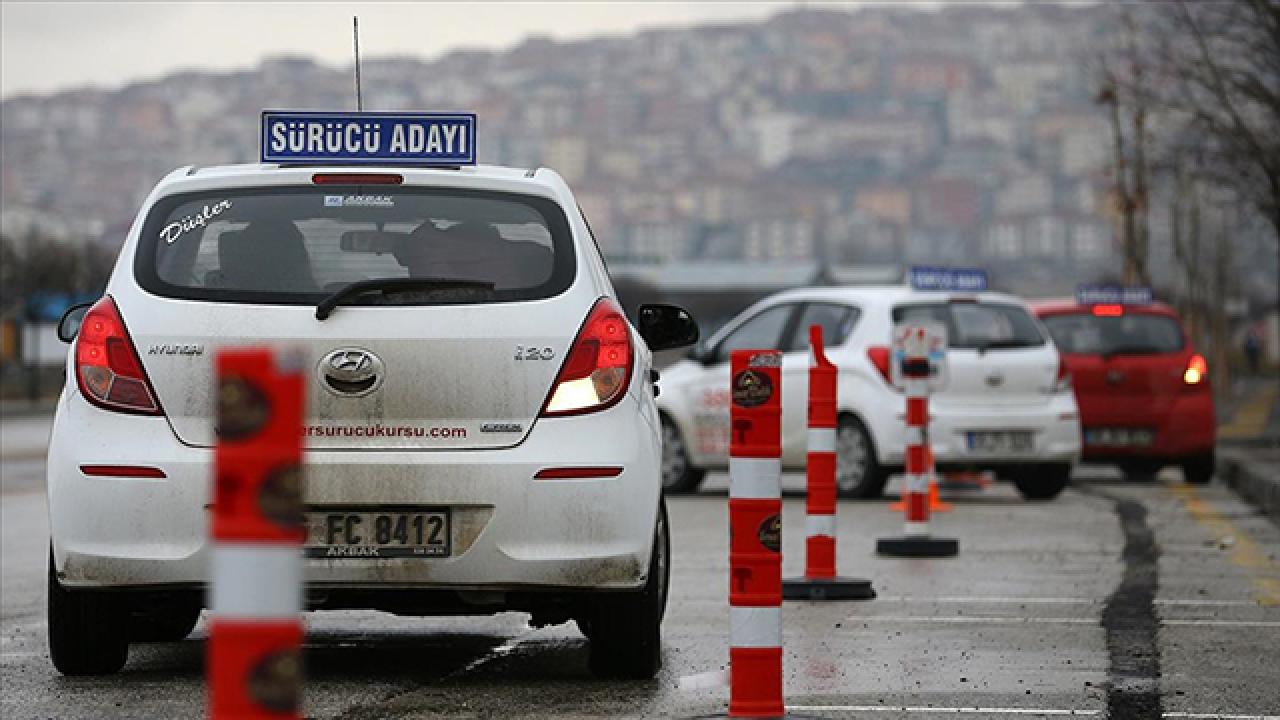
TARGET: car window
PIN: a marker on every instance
(760, 332)
(296, 245)
(1134, 334)
(980, 325)
(837, 322)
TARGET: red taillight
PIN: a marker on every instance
(108, 370)
(1197, 370)
(596, 372)
(1108, 310)
(357, 179)
(879, 356)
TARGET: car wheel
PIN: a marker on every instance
(88, 630)
(625, 628)
(1199, 469)
(1042, 482)
(165, 623)
(1140, 470)
(678, 474)
(858, 474)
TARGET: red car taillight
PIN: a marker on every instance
(879, 356)
(1197, 370)
(596, 372)
(108, 370)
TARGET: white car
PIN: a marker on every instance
(470, 371)
(1008, 405)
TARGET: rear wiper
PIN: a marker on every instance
(982, 348)
(389, 285)
(1129, 350)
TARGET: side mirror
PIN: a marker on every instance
(664, 327)
(69, 325)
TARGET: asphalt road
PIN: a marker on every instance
(1117, 600)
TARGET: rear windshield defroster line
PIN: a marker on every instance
(334, 235)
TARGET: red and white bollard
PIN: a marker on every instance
(916, 540)
(255, 634)
(820, 581)
(755, 535)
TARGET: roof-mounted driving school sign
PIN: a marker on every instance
(368, 138)
(948, 279)
(1113, 295)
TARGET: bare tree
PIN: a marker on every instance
(1123, 91)
(1221, 76)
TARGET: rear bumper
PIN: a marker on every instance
(1184, 427)
(1054, 426)
(509, 530)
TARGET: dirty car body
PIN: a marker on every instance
(482, 439)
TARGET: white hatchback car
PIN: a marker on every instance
(1008, 405)
(469, 365)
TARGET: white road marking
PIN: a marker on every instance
(1010, 711)
(978, 620)
(1006, 600)
(946, 710)
(1219, 716)
(702, 681)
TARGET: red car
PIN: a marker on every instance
(1143, 391)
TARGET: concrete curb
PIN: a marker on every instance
(1250, 480)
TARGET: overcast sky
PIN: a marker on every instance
(51, 46)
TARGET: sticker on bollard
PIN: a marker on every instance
(820, 581)
(255, 630)
(755, 535)
(919, 357)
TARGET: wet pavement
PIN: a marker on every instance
(1118, 599)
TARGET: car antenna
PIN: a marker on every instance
(355, 36)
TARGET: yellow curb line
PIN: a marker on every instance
(1245, 554)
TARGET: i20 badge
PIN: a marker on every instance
(351, 372)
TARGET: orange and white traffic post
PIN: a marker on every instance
(936, 503)
(820, 581)
(755, 534)
(918, 364)
(255, 634)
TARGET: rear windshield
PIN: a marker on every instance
(1130, 334)
(297, 245)
(978, 325)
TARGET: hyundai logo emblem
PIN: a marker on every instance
(351, 372)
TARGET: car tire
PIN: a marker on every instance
(625, 628)
(1042, 482)
(858, 473)
(165, 623)
(1141, 470)
(1199, 469)
(88, 630)
(679, 476)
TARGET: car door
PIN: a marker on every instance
(762, 330)
(837, 321)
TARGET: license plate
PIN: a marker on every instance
(378, 534)
(1000, 442)
(1118, 437)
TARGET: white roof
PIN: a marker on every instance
(540, 181)
(885, 295)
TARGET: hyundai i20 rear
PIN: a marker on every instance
(481, 432)
(1007, 405)
(1144, 393)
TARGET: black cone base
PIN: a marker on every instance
(836, 588)
(918, 547)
